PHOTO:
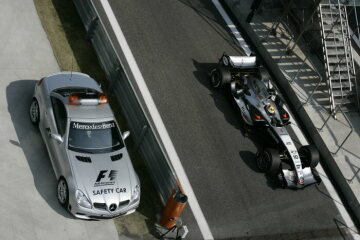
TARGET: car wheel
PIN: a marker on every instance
(268, 161)
(220, 76)
(34, 112)
(63, 192)
(309, 155)
(265, 76)
(225, 75)
(215, 78)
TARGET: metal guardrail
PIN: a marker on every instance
(143, 132)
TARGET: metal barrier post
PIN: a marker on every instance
(173, 209)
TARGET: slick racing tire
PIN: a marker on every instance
(268, 161)
(63, 192)
(265, 76)
(34, 112)
(309, 155)
(220, 76)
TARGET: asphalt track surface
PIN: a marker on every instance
(175, 43)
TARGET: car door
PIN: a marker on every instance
(56, 123)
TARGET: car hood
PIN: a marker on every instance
(103, 179)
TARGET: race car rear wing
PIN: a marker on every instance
(239, 61)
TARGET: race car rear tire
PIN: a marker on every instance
(269, 161)
(309, 155)
(63, 192)
(265, 76)
(220, 76)
(34, 112)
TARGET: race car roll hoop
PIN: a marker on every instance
(262, 107)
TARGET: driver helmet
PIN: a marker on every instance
(270, 109)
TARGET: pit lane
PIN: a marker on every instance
(175, 44)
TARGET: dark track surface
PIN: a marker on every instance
(173, 43)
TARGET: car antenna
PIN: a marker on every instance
(72, 66)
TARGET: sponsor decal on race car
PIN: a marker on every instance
(109, 191)
(109, 179)
(92, 126)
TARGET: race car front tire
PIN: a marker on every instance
(269, 161)
(309, 155)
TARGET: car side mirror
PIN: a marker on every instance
(126, 134)
(56, 137)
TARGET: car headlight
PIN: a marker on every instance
(136, 193)
(82, 200)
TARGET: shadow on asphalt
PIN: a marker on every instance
(250, 159)
(222, 98)
(207, 11)
(18, 96)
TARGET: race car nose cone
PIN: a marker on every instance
(112, 207)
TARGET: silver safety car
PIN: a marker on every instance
(261, 107)
(96, 179)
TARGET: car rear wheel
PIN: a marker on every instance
(309, 155)
(34, 112)
(220, 76)
(268, 161)
(63, 192)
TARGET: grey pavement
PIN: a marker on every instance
(175, 44)
(328, 133)
(28, 203)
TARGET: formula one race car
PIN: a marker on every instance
(96, 179)
(261, 107)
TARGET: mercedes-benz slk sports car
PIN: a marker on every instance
(261, 107)
(96, 179)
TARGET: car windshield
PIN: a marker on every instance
(97, 137)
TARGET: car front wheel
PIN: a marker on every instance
(309, 155)
(268, 161)
(34, 112)
(63, 192)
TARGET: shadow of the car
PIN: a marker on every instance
(19, 95)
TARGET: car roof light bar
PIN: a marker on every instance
(76, 99)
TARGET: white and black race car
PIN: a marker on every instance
(261, 106)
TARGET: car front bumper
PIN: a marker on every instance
(288, 178)
(97, 214)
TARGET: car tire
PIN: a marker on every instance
(34, 112)
(268, 161)
(309, 155)
(264, 74)
(63, 192)
(220, 76)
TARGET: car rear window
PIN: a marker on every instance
(99, 137)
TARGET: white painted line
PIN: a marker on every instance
(326, 181)
(159, 125)
(232, 27)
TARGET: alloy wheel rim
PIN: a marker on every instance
(34, 111)
(62, 191)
